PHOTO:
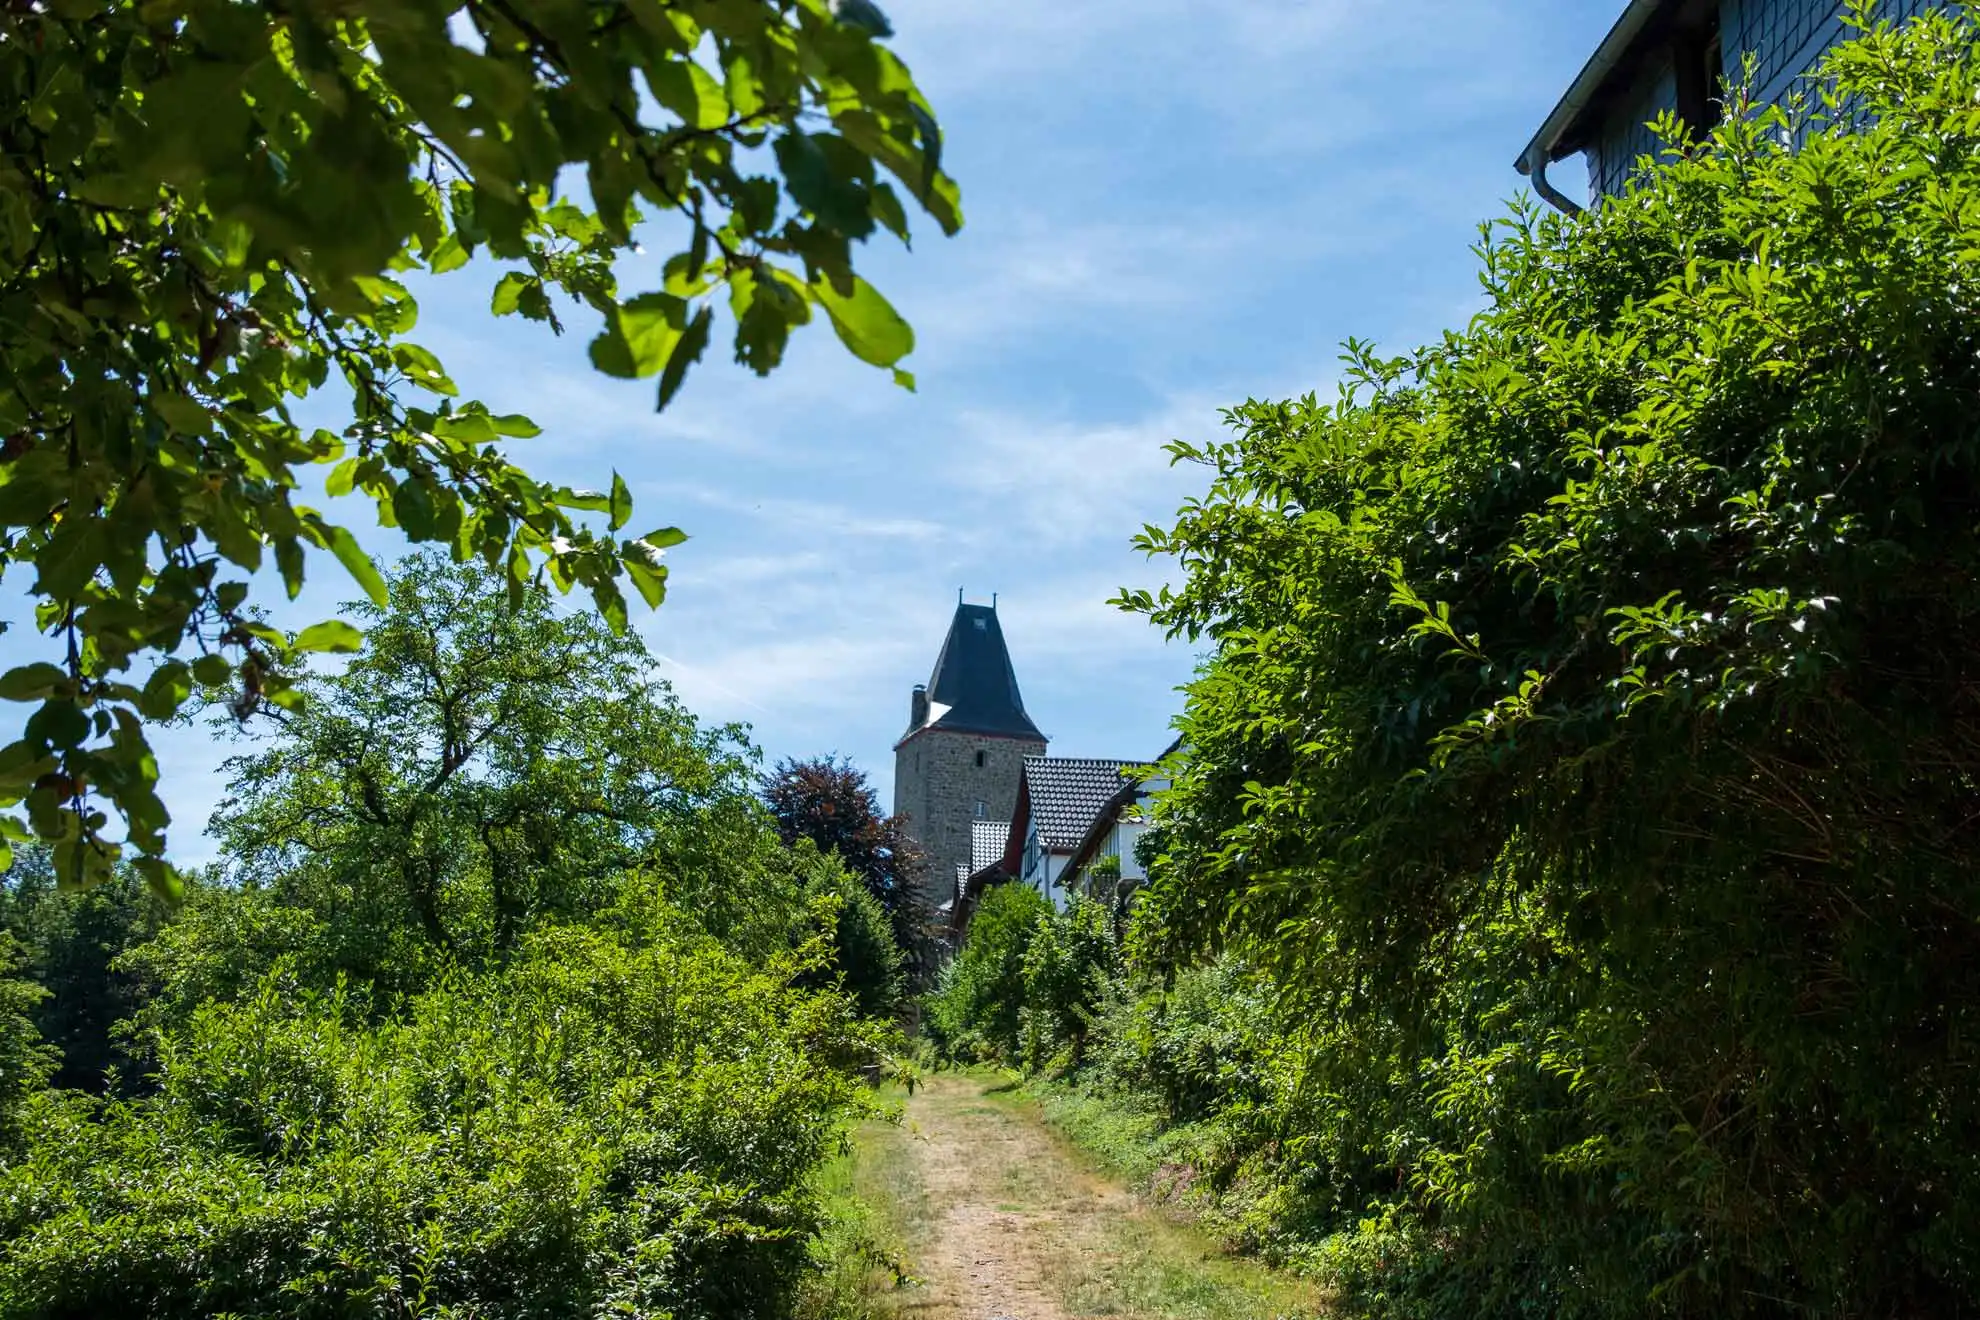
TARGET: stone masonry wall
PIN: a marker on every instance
(937, 784)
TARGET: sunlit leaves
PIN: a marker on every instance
(281, 1135)
(330, 635)
(690, 92)
(641, 335)
(339, 542)
(168, 688)
(422, 368)
(686, 352)
(866, 322)
(620, 503)
(643, 566)
(204, 217)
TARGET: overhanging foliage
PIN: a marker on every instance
(205, 209)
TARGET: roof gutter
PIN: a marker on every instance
(1556, 137)
(1534, 166)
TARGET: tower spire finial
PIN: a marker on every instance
(958, 595)
(993, 600)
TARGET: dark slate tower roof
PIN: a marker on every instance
(973, 688)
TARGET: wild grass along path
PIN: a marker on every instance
(999, 1219)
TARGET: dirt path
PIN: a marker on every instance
(1000, 1220)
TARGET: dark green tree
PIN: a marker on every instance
(867, 961)
(206, 207)
(70, 942)
(1592, 737)
(831, 803)
(26, 1060)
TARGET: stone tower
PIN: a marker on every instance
(964, 749)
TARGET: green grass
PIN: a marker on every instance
(1122, 1138)
(1193, 1288)
(870, 1195)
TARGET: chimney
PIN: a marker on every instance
(918, 707)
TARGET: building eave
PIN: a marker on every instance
(1109, 816)
(1013, 860)
(1566, 130)
(970, 893)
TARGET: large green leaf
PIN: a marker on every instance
(642, 335)
(867, 323)
(620, 505)
(687, 351)
(330, 635)
(356, 562)
(34, 682)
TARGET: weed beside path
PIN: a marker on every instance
(995, 1216)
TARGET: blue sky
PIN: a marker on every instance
(1170, 207)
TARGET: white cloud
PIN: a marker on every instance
(1032, 41)
(803, 516)
(1058, 482)
(1029, 278)
(730, 572)
(796, 678)
(1274, 73)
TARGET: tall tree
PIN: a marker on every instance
(478, 765)
(205, 208)
(26, 1060)
(830, 802)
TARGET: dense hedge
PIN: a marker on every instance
(1029, 983)
(619, 1122)
(976, 1011)
(1589, 758)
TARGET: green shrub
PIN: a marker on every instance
(1196, 1049)
(507, 1001)
(976, 1010)
(1028, 983)
(621, 1121)
(1069, 966)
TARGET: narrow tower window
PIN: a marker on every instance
(979, 760)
